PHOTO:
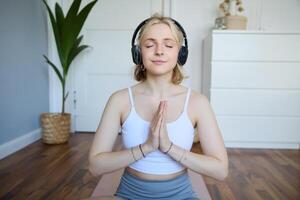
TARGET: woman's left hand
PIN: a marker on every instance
(164, 141)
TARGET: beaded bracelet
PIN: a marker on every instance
(140, 146)
(182, 155)
(131, 149)
(169, 148)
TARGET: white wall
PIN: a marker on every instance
(197, 17)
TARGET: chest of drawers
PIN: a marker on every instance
(252, 79)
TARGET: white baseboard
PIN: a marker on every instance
(262, 145)
(19, 143)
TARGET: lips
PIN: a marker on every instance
(159, 62)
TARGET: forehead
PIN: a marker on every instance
(158, 31)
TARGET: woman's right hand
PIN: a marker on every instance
(153, 136)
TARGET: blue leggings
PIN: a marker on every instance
(135, 188)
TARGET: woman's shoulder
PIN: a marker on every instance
(197, 99)
(197, 95)
(118, 100)
(119, 95)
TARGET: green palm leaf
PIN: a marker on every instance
(75, 51)
(73, 9)
(54, 68)
(73, 25)
(66, 30)
(55, 29)
(59, 17)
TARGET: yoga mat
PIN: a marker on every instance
(108, 184)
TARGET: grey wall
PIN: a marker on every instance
(24, 92)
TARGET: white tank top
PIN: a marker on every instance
(135, 131)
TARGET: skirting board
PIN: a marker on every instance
(16, 144)
(262, 145)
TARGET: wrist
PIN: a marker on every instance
(167, 148)
(147, 148)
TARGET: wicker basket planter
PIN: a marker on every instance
(55, 127)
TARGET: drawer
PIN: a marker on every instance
(256, 47)
(255, 75)
(256, 102)
(259, 129)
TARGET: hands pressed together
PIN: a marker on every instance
(158, 135)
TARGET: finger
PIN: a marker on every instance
(157, 115)
(156, 120)
(164, 114)
(158, 112)
(163, 109)
(156, 128)
(166, 106)
(160, 107)
(160, 121)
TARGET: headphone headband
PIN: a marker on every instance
(145, 21)
(135, 50)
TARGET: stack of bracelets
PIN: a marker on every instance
(165, 152)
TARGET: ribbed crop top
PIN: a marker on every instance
(135, 131)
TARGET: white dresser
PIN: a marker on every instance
(252, 79)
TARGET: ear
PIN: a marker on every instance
(182, 55)
(136, 55)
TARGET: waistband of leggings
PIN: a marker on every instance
(180, 176)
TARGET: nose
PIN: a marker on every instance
(159, 50)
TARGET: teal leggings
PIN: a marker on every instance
(134, 188)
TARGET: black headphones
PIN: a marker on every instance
(136, 51)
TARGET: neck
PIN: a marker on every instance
(159, 87)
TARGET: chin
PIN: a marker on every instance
(160, 71)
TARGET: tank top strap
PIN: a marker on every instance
(187, 99)
(131, 97)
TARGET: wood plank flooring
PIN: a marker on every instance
(58, 172)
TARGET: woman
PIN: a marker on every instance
(157, 118)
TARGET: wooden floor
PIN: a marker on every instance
(58, 172)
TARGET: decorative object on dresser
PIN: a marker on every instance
(231, 15)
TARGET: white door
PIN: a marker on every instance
(106, 66)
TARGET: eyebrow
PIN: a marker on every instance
(165, 39)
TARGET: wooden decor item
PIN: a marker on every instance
(236, 22)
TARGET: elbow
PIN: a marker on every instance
(94, 167)
(223, 172)
(93, 171)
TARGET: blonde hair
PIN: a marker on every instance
(178, 72)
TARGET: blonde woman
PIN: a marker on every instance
(157, 118)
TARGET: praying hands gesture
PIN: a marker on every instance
(158, 135)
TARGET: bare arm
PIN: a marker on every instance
(214, 161)
(101, 158)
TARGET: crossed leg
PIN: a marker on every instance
(104, 198)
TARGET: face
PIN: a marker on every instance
(159, 49)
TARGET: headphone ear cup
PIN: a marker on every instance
(182, 55)
(136, 55)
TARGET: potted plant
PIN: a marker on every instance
(66, 29)
(232, 11)
(231, 7)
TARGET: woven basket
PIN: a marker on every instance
(55, 127)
